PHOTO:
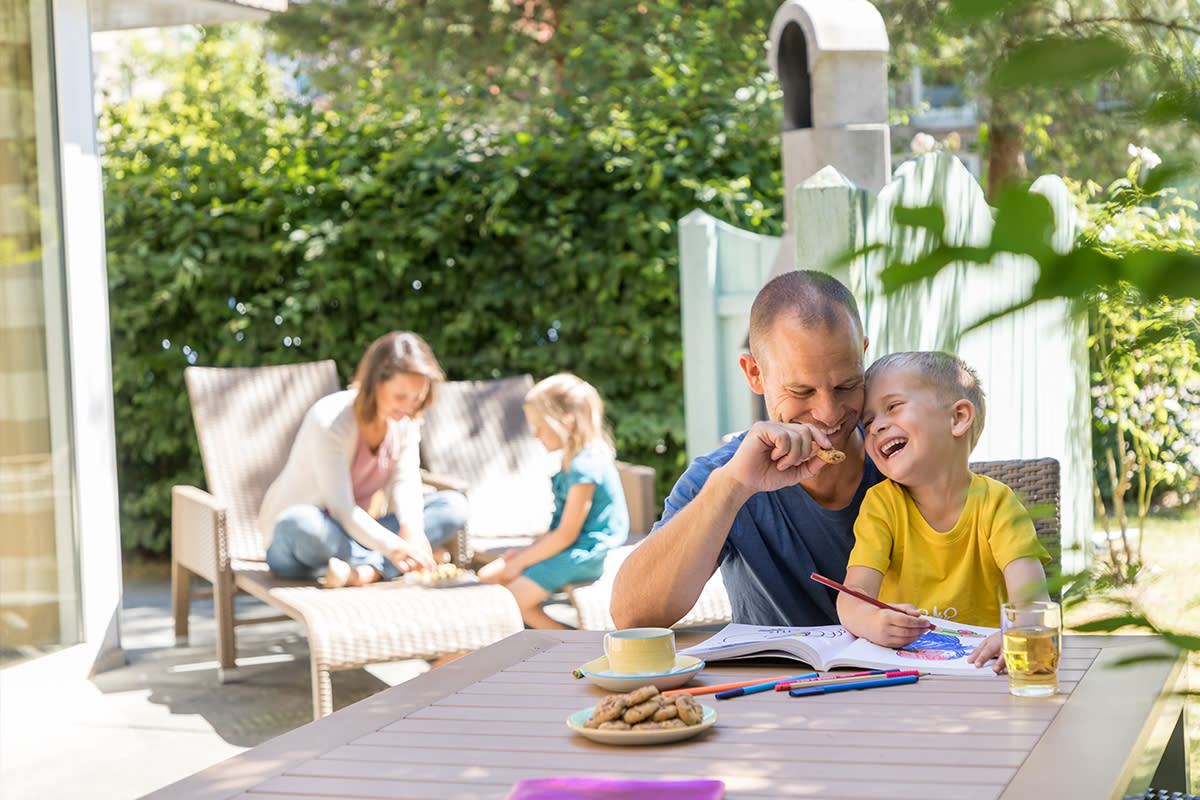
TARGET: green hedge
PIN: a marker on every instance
(250, 230)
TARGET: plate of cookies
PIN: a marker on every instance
(441, 576)
(642, 716)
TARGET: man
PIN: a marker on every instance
(763, 507)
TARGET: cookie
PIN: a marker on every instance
(665, 712)
(609, 708)
(831, 456)
(689, 710)
(648, 725)
(640, 712)
(615, 725)
(673, 723)
(641, 695)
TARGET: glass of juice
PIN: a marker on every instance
(1032, 643)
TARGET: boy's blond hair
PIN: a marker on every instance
(949, 376)
(573, 409)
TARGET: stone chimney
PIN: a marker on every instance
(830, 56)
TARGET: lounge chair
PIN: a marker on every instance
(246, 419)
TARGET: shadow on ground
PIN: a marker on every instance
(269, 694)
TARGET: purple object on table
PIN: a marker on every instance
(588, 787)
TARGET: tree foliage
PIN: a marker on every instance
(1144, 360)
(246, 227)
(1058, 81)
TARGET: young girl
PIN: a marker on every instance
(590, 516)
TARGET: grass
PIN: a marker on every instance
(1167, 591)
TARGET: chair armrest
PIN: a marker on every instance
(638, 482)
(199, 538)
(443, 482)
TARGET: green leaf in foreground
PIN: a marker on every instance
(1059, 61)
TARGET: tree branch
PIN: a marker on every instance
(1138, 21)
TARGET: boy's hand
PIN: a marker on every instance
(895, 630)
(988, 649)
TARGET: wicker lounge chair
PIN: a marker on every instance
(246, 419)
(1036, 482)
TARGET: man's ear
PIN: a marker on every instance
(962, 414)
(753, 372)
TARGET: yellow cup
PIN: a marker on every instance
(640, 651)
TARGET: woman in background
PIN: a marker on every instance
(315, 517)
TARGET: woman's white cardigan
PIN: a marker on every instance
(317, 472)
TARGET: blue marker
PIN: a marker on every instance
(759, 687)
(848, 685)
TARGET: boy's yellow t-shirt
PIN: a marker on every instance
(957, 575)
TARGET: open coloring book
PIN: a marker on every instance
(942, 651)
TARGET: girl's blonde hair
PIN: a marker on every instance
(572, 408)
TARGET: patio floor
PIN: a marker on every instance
(164, 715)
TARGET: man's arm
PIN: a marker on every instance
(663, 577)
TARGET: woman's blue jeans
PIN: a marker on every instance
(305, 538)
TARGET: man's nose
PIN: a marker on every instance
(826, 410)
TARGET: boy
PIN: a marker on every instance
(934, 532)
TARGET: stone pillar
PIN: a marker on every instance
(830, 56)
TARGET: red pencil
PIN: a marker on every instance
(879, 603)
(843, 588)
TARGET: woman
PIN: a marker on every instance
(351, 444)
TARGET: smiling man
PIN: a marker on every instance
(763, 507)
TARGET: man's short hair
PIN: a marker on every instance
(951, 379)
(816, 299)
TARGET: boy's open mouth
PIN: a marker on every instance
(892, 446)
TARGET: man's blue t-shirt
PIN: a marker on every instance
(777, 541)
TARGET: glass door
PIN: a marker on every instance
(39, 570)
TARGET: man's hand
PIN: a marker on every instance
(775, 455)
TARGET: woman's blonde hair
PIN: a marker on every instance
(573, 409)
(395, 353)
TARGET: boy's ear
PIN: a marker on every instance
(962, 414)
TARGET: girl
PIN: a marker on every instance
(351, 444)
(590, 516)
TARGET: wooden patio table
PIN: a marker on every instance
(472, 728)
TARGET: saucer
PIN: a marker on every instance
(660, 736)
(686, 668)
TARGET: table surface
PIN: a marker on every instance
(472, 728)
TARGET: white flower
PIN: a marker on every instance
(923, 143)
(1107, 233)
(1173, 223)
(1147, 156)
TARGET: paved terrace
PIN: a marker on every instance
(163, 716)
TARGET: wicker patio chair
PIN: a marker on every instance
(246, 419)
(1036, 482)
